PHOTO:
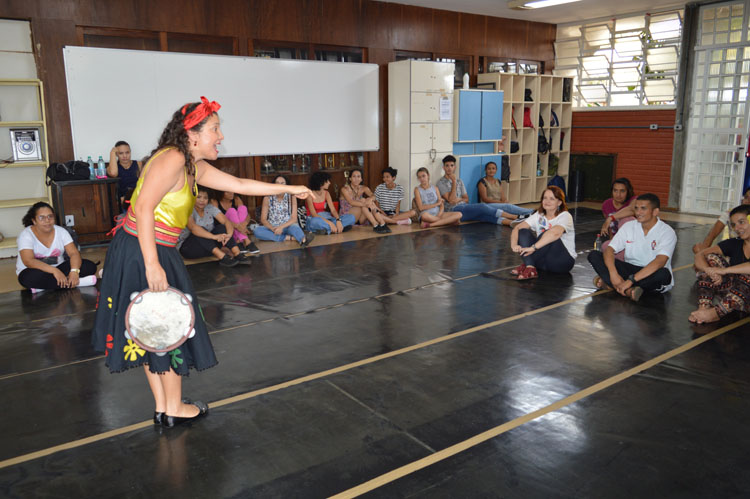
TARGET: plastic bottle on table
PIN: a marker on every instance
(101, 172)
(598, 243)
(92, 172)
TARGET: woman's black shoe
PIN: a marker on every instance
(158, 417)
(172, 421)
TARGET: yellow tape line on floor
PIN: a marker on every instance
(499, 430)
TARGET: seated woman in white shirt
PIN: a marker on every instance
(42, 246)
(545, 240)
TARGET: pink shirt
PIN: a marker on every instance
(608, 208)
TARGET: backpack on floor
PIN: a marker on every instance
(302, 217)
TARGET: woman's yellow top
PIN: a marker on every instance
(175, 208)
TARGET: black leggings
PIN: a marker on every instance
(199, 247)
(35, 278)
(654, 282)
(553, 257)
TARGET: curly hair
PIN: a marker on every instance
(175, 135)
(318, 179)
(28, 218)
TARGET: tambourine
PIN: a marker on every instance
(160, 321)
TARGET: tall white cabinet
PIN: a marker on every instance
(530, 171)
(420, 120)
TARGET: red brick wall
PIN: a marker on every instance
(644, 156)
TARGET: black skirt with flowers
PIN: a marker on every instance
(125, 273)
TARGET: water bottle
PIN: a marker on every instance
(101, 172)
(92, 172)
(598, 243)
(466, 81)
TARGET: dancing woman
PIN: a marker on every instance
(143, 254)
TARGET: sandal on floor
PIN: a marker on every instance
(634, 293)
(600, 284)
(518, 270)
(528, 273)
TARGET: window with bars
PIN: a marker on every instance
(628, 61)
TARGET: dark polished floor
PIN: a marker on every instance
(358, 363)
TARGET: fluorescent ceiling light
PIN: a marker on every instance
(536, 4)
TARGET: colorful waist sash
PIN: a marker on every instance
(164, 234)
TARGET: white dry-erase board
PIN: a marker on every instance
(269, 106)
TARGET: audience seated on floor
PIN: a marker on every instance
(278, 218)
(546, 239)
(719, 227)
(232, 206)
(42, 246)
(208, 232)
(322, 216)
(648, 244)
(724, 272)
(617, 210)
(453, 191)
(490, 191)
(388, 197)
(357, 200)
(430, 204)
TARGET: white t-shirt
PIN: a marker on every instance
(27, 240)
(641, 249)
(539, 224)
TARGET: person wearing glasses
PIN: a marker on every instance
(42, 247)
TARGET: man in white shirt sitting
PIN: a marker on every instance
(648, 243)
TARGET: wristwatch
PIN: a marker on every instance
(338, 219)
(631, 278)
(534, 246)
(77, 271)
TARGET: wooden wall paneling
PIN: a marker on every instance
(446, 31)
(377, 23)
(506, 39)
(201, 44)
(118, 38)
(286, 20)
(377, 160)
(50, 36)
(473, 30)
(338, 22)
(540, 41)
(413, 29)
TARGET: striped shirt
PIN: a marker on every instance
(388, 199)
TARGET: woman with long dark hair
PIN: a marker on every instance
(42, 247)
(545, 240)
(143, 254)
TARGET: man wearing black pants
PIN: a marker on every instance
(648, 243)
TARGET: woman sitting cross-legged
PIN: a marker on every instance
(207, 232)
(388, 196)
(724, 272)
(42, 247)
(491, 192)
(322, 217)
(545, 240)
(430, 203)
(358, 200)
(278, 218)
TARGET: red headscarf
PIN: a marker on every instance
(200, 112)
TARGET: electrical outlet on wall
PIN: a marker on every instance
(69, 221)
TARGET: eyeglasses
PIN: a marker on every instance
(42, 218)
